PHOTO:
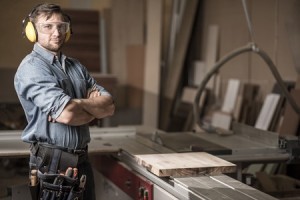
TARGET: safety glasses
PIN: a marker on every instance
(50, 27)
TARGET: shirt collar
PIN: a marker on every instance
(45, 53)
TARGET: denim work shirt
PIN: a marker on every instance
(44, 86)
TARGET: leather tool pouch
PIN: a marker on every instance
(59, 187)
(51, 184)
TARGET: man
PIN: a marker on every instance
(58, 95)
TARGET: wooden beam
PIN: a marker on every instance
(175, 69)
(152, 63)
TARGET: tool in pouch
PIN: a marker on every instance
(53, 180)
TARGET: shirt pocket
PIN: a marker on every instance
(75, 88)
(67, 86)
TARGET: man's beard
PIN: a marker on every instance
(54, 48)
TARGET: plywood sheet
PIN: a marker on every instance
(184, 164)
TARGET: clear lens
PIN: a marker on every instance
(49, 28)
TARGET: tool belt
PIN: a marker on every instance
(54, 175)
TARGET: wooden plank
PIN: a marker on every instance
(199, 72)
(231, 94)
(194, 164)
(171, 81)
(135, 58)
(211, 52)
(290, 121)
(221, 120)
(152, 63)
(267, 112)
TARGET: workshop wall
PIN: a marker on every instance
(269, 21)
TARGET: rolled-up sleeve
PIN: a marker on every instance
(42, 88)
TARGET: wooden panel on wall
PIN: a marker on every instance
(135, 60)
(152, 63)
(84, 42)
(127, 23)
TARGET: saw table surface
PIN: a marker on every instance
(219, 187)
(130, 140)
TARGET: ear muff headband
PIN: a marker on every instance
(28, 27)
(30, 31)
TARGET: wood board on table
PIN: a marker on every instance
(184, 164)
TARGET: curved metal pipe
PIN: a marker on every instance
(248, 48)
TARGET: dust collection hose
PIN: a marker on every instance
(248, 48)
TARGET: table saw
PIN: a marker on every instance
(115, 154)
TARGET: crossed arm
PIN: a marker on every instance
(82, 111)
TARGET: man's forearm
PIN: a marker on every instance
(99, 107)
(74, 115)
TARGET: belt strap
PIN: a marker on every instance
(56, 154)
(73, 151)
(57, 158)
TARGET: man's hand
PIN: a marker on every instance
(50, 119)
(93, 92)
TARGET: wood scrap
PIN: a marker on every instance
(184, 164)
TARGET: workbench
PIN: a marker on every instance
(113, 154)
